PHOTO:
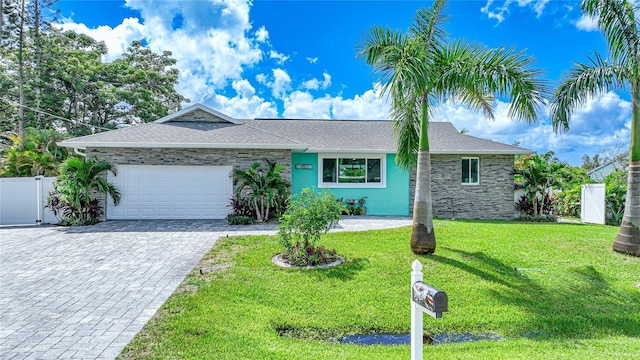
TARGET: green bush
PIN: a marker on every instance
(616, 184)
(240, 220)
(567, 202)
(73, 199)
(308, 216)
(537, 218)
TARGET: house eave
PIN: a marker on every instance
(483, 152)
(352, 151)
(84, 145)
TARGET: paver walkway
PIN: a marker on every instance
(83, 293)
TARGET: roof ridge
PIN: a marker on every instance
(277, 135)
(324, 120)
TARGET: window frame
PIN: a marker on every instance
(337, 185)
(471, 177)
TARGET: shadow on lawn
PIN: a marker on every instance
(581, 304)
(344, 272)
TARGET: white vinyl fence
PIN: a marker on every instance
(592, 204)
(23, 201)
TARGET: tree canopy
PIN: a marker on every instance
(50, 79)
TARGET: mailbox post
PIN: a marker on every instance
(424, 298)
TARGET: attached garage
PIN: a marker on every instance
(171, 192)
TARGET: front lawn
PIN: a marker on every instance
(547, 290)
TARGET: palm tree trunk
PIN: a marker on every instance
(423, 237)
(628, 239)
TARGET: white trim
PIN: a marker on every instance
(470, 158)
(383, 171)
(195, 107)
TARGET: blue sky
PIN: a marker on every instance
(296, 58)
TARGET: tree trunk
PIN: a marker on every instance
(628, 239)
(21, 46)
(423, 237)
(38, 49)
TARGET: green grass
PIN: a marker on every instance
(551, 291)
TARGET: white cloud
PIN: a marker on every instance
(213, 46)
(117, 39)
(280, 84)
(315, 84)
(312, 84)
(587, 23)
(278, 57)
(245, 104)
(262, 34)
(499, 13)
(312, 60)
(302, 105)
(368, 106)
(261, 78)
(603, 122)
(326, 82)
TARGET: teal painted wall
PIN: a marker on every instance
(392, 200)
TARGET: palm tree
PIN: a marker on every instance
(616, 19)
(420, 69)
(79, 180)
(265, 189)
(536, 175)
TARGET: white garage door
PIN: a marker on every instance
(171, 192)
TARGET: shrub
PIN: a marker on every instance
(616, 191)
(567, 202)
(87, 213)
(240, 219)
(526, 206)
(538, 218)
(262, 188)
(73, 201)
(308, 216)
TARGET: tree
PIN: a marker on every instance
(616, 20)
(79, 179)
(420, 69)
(36, 153)
(38, 26)
(536, 175)
(147, 82)
(264, 188)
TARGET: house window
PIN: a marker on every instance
(352, 171)
(471, 171)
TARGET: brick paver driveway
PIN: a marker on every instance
(84, 292)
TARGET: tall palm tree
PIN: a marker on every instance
(420, 69)
(616, 19)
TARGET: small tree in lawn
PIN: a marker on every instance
(308, 216)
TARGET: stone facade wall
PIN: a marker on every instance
(239, 158)
(491, 199)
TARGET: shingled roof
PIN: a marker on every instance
(201, 127)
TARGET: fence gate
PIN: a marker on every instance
(592, 204)
(23, 200)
